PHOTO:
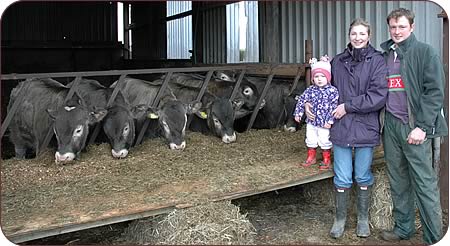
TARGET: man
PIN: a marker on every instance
(413, 115)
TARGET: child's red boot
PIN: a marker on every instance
(311, 159)
(326, 159)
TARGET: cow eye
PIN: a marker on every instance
(126, 130)
(216, 121)
(78, 131)
(248, 91)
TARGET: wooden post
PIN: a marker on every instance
(308, 56)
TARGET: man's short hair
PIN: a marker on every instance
(397, 13)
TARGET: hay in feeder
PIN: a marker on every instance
(381, 203)
(215, 223)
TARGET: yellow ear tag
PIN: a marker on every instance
(203, 115)
(153, 116)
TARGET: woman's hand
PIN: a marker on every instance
(339, 112)
(309, 113)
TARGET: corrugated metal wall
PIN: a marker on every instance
(233, 33)
(234, 25)
(70, 36)
(326, 24)
(214, 35)
(252, 41)
(179, 31)
(60, 21)
(179, 38)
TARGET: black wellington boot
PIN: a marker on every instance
(362, 228)
(341, 213)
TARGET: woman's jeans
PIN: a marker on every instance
(343, 166)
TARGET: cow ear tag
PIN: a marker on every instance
(203, 115)
(68, 109)
(153, 116)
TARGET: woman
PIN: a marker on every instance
(359, 74)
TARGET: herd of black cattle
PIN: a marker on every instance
(45, 106)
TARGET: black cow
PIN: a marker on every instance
(216, 116)
(222, 87)
(43, 103)
(171, 113)
(290, 125)
(118, 124)
(279, 103)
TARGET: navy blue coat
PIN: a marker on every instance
(362, 85)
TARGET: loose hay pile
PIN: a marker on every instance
(381, 203)
(381, 216)
(215, 223)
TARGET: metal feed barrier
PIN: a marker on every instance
(270, 70)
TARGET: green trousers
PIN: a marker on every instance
(412, 181)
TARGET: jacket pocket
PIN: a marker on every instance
(367, 129)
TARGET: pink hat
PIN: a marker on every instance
(322, 66)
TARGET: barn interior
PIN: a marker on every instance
(264, 38)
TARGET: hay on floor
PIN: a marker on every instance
(215, 223)
(319, 192)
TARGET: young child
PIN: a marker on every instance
(324, 99)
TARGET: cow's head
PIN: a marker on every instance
(247, 93)
(172, 117)
(119, 125)
(71, 127)
(228, 75)
(220, 114)
(290, 125)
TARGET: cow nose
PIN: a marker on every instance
(65, 157)
(178, 147)
(228, 138)
(119, 154)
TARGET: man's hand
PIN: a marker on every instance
(417, 136)
(297, 119)
(309, 113)
(327, 126)
(339, 112)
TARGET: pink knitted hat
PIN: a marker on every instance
(323, 66)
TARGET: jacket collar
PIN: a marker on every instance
(363, 53)
(402, 46)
